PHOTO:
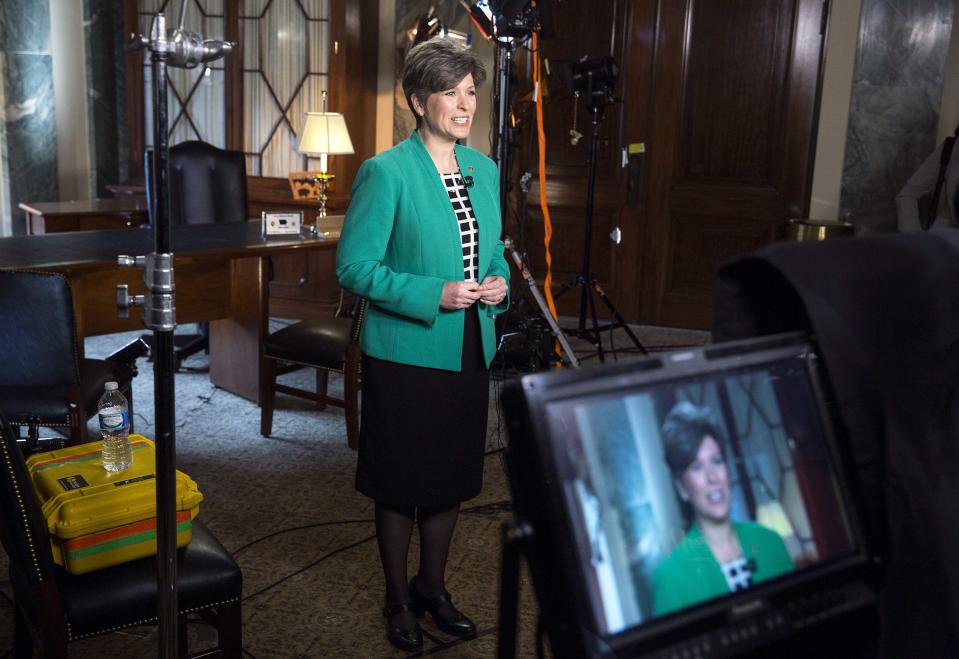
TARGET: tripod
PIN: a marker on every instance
(587, 283)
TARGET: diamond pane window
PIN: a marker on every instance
(195, 97)
(285, 71)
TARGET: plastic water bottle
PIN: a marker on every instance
(115, 428)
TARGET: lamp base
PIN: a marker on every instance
(322, 179)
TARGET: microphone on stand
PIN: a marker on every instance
(468, 181)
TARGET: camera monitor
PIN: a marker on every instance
(690, 504)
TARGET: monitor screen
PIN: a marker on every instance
(686, 481)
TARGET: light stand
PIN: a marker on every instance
(504, 132)
(541, 303)
(183, 50)
(509, 36)
(516, 536)
(587, 283)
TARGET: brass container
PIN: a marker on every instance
(805, 229)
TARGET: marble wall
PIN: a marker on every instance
(106, 98)
(894, 110)
(29, 127)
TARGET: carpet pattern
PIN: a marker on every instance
(286, 508)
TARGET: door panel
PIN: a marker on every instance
(730, 144)
(723, 96)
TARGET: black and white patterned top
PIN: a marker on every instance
(738, 573)
(469, 230)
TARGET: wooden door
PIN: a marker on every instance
(723, 95)
(730, 143)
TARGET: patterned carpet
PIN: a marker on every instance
(286, 508)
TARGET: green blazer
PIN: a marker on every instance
(401, 243)
(690, 574)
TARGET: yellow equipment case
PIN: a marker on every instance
(99, 518)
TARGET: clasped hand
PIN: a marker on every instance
(461, 294)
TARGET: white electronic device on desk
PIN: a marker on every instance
(281, 224)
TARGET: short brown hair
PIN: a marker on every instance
(435, 66)
(684, 428)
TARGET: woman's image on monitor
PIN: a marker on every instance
(717, 555)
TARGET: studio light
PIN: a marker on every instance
(595, 79)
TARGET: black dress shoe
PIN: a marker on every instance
(406, 639)
(446, 616)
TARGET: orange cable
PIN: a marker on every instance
(547, 224)
(541, 135)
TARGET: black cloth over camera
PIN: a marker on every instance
(884, 312)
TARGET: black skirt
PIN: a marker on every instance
(423, 430)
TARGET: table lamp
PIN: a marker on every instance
(324, 134)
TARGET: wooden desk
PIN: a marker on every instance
(90, 215)
(220, 275)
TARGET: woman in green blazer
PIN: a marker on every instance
(717, 556)
(421, 242)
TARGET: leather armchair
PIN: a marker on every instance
(53, 607)
(207, 186)
(43, 380)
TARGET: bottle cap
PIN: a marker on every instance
(110, 386)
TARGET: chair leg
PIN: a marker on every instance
(267, 395)
(322, 381)
(22, 641)
(51, 623)
(77, 417)
(182, 636)
(229, 630)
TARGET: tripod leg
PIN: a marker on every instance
(617, 319)
(588, 292)
(513, 537)
(544, 309)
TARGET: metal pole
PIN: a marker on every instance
(586, 275)
(163, 370)
(504, 132)
(181, 50)
(541, 303)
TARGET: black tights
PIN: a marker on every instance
(394, 527)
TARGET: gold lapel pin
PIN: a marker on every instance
(470, 169)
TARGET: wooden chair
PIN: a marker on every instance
(43, 380)
(329, 344)
(53, 607)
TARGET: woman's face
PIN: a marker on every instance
(705, 483)
(448, 114)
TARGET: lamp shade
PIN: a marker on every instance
(324, 133)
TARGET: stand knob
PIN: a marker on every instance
(125, 300)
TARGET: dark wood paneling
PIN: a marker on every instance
(133, 64)
(233, 77)
(583, 30)
(732, 117)
(640, 40)
(732, 134)
(723, 95)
